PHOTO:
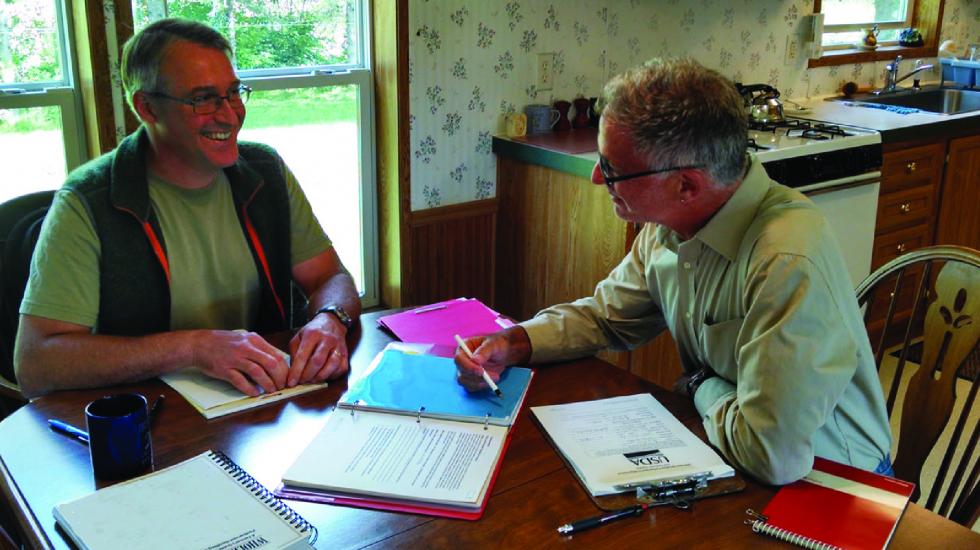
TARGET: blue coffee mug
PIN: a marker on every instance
(119, 436)
(540, 118)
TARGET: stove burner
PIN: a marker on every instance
(800, 129)
(756, 147)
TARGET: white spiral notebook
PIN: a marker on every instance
(205, 502)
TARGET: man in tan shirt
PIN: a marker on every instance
(744, 272)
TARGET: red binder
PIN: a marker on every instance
(836, 506)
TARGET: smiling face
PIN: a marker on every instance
(189, 149)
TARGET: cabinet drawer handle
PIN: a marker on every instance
(911, 167)
(900, 248)
(905, 207)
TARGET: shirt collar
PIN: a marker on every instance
(724, 232)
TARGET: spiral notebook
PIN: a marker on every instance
(204, 502)
(835, 506)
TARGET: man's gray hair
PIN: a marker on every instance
(681, 113)
(144, 51)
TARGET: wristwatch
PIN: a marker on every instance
(698, 378)
(339, 313)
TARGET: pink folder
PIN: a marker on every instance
(438, 323)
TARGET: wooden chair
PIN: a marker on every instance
(20, 226)
(924, 307)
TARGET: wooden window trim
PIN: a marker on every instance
(927, 16)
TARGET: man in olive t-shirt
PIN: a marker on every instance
(211, 247)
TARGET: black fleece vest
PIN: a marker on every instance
(134, 298)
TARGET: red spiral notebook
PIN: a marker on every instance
(835, 506)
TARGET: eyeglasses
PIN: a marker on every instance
(207, 104)
(610, 179)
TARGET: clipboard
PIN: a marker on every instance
(679, 492)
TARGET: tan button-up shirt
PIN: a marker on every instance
(761, 295)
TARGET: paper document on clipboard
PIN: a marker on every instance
(615, 445)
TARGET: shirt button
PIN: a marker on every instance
(687, 315)
(687, 265)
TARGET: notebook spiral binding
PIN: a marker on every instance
(266, 496)
(759, 525)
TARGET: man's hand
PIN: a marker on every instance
(319, 351)
(244, 359)
(492, 353)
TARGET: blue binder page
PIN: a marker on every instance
(411, 384)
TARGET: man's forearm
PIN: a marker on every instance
(78, 360)
(337, 290)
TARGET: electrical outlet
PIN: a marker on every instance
(546, 71)
(792, 50)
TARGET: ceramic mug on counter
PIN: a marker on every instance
(540, 118)
(515, 124)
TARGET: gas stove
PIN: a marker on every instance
(810, 155)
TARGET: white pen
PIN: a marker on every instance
(486, 377)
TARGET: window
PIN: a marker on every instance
(41, 138)
(846, 22)
(308, 65)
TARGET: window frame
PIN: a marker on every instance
(927, 16)
(63, 93)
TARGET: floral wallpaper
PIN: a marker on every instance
(471, 62)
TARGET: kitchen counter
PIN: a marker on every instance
(893, 127)
(564, 151)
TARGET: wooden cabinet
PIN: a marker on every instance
(930, 193)
(958, 221)
(910, 180)
(557, 236)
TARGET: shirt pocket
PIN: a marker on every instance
(718, 346)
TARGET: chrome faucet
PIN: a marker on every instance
(892, 79)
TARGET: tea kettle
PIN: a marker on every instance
(761, 102)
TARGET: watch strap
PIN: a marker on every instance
(337, 312)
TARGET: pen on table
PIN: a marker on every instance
(582, 525)
(69, 430)
(486, 377)
(155, 410)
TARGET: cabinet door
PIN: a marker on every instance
(959, 217)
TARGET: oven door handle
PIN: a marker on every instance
(849, 181)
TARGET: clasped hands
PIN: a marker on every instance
(249, 362)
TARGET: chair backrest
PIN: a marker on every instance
(20, 225)
(923, 314)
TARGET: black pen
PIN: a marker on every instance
(69, 430)
(582, 525)
(154, 410)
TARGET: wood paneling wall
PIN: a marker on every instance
(557, 237)
(452, 251)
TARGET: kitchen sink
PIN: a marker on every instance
(945, 101)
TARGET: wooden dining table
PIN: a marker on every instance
(534, 492)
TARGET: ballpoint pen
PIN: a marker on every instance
(486, 377)
(69, 430)
(582, 525)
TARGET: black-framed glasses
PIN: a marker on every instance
(206, 104)
(610, 179)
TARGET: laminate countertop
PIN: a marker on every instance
(574, 151)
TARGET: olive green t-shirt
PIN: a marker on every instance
(214, 282)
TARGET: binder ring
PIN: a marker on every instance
(486, 421)
(418, 419)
